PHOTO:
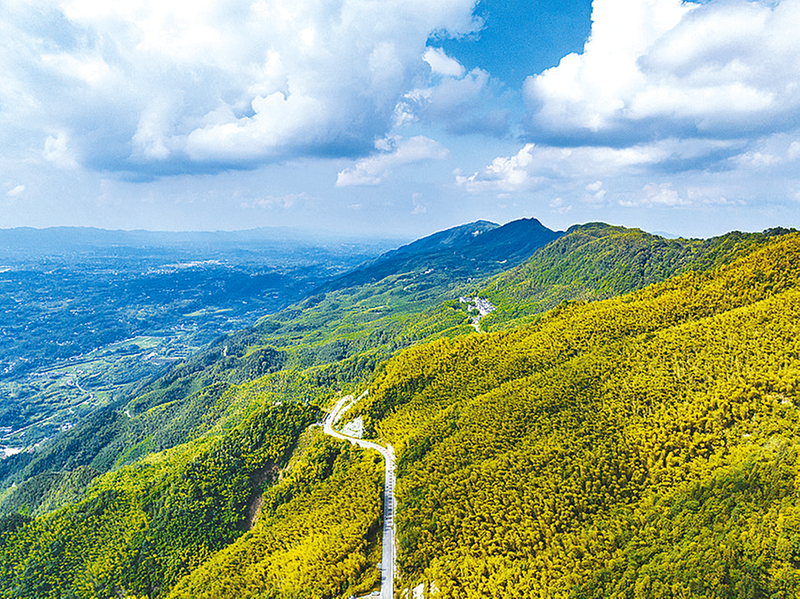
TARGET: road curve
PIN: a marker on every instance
(388, 556)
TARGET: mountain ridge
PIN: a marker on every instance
(532, 460)
(595, 261)
(466, 249)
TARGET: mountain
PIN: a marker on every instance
(455, 237)
(474, 249)
(355, 326)
(637, 446)
(597, 261)
(639, 438)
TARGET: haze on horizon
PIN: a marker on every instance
(400, 117)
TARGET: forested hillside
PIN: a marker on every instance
(470, 251)
(639, 445)
(597, 261)
(644, 446)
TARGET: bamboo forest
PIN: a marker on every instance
(598, 413)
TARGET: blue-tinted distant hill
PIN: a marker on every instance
(26, 242)
(478, 248)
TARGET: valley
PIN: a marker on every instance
(90, 316)
(620, 421)
(462, 299)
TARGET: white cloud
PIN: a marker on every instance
(512, 173)
(446, 97)
(419, 206)
(596, 193)
(663, 68)
(656, 194)
(57, 151)
(758, 160)
(442, 64)
(558, 206)
(453, 97)
(393, 151)
(16, 192)
(453, 92)
(594, 187)
(135, 83)
(536, 165)
(710, 195)
(634, 176)
(671, 104)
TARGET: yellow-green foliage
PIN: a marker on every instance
(314, 535)
(144, 526)
(47, 492)
(643, 446)
(60, 471)
(597, 261)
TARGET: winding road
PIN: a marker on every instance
(388, 557)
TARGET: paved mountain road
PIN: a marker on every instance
(388, 556)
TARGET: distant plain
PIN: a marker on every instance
(88, 316)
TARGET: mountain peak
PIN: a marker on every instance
(481, 246)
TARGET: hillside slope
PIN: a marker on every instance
(639, 446)
(587, 454)
(597, 261)
(472, 250)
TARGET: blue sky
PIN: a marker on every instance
(400, 117)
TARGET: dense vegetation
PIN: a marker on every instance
(141, 527)
(598, 261)
(316, 534)
(639, 445)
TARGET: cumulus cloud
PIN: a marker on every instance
(57, 151)
(666, 68)
(504, 174)
(454, 97)
(710, 195)
(419, 206)
(393, 151)
(666, 97)
(595, 192)
(536, 165)
(641, 175)
(442, 64)
(656, 194)
(558, 206)
(147, 85)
